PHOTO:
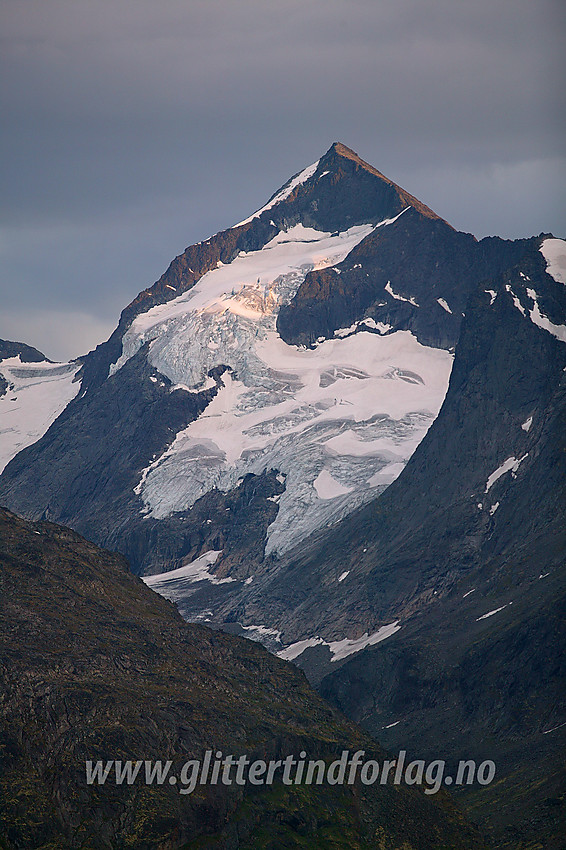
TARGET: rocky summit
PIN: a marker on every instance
(337, 428)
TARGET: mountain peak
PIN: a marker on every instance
(27, 353)
(342, 151)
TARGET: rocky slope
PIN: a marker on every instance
(26, 353)
(96, 666)
(483, 488)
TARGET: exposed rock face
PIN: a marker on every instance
(96, 666)
(26, 353)
(450, 682)
(438, 520)
(397, 276)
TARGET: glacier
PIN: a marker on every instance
(339, 420)
(37, 393)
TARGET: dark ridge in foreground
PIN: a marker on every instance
(97, 666)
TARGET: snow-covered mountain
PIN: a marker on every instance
(304, 351)
(33, 392)
(338, 428)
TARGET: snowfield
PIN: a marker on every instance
(36, 395)
(510, 465)
(177, 584)
(340, 649)
(559, 331)
(339, 421)
(554, 252)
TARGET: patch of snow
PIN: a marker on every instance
(296, 649)
(511, 464)
(554, 252)
(493, 508)
(37, 394)
(493, 295)
(526, 426)
(153, 379)
(444, 305)
(342, 332)
(480, 505)
(208, 384)
(468, 593)
(327, 487)
(176, 584)
(394, 219)
(554, 728)
(382, 327)
(343, 576)
(341, 649)
(386, 475)
(542, 321)
(409, 300)
(170, 287)
(543, 575)
(516, 301)
(391, 725)
(249, 580)
(490, 613)
(263, 631)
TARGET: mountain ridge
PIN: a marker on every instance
(343, 150)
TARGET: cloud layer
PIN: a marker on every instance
(133, 129)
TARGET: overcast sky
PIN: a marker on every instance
(131, 129)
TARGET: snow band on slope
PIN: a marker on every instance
(340, 649)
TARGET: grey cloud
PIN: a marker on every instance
(133, 129)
